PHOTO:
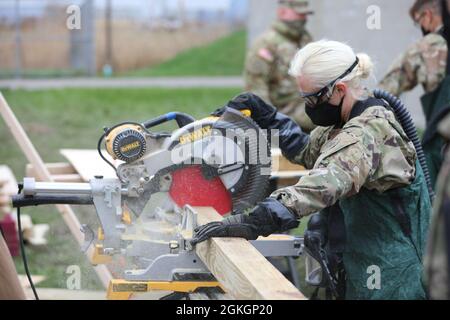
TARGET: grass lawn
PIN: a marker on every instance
(224, 57)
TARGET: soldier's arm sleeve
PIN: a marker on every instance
(258, 67)
(339, 172)
(403, 74)
(308, 156)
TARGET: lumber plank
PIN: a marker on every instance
(60, 172)
(26, 284)
(10, 288)
(87, 163)
(9, 184)
(34, 158)
(240, 268)
(290, 174)
(280, 163)
(54, 168)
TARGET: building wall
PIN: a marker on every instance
(346, 20)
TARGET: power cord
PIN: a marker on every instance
(22, 250)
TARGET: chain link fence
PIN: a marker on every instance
(61, 38)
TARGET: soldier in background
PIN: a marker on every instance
(267, 63)
(424, 63)
(437, 258)
(437, 261)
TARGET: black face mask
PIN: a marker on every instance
(325, 114)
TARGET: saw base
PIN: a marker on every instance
(120, 289)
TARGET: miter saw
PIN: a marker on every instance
(147, 213)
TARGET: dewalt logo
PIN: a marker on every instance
(196, 135)
(130, 146)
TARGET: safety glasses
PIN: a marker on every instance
(326, 92)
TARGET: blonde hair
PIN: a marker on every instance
(323, 61)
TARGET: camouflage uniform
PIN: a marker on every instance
(436, 260)
(266, 71)
(367, 152)
(362, 167)
(423, 63)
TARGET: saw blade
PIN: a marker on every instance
(253, 185)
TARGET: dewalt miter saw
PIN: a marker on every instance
(147, 213)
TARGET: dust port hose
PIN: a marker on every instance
(404, 117)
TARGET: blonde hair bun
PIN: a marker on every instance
(365, 66)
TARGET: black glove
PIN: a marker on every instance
(267, 217)
(291, 137)
(261, 112)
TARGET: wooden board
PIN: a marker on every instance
(289, 174)
(280, 163)
(10, 288)
(8, 188)
(88, 163)
(240, 268)
(60, 172)
(26, 284)
(9, 183)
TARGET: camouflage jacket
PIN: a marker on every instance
(423, 63)
(370, 151)
(266, 72)
(436, 259)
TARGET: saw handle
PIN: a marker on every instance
(182, 120)
(27, 201)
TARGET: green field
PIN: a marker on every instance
(224, 57)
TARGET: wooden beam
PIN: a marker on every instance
(53, 168)
(88, 163)
(10, 288)
(280, 163)
(43, 173)
(60, 172)
(240, 268)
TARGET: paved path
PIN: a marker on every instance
(154, 82)
(411, 100)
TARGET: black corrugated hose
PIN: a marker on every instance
(404, 118)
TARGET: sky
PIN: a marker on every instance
(35, 7)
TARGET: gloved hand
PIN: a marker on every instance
(291, 137)
(261, 112)
(267, 217)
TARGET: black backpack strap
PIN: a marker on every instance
(363, 105)
(336, 229)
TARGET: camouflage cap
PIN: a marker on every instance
(299, 6)
(420, 4)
